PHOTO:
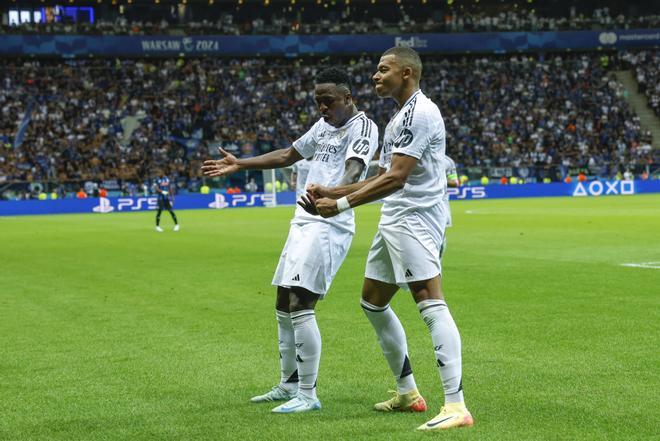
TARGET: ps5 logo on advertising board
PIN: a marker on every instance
(243, 200)
(598, 188)
(126, 204)
(412, 42)
(104, 206)
(467, 193)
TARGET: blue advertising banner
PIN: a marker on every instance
(223, 201)
(293, 45)
(129, 204)
(579, 189)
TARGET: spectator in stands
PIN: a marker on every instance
(354, 18)
(99, 119)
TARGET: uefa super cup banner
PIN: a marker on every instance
(221, 201)
(292, 45)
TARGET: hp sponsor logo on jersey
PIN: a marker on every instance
(404, 139)
(467, 193)
(412, 42)
(607, 38)
(598, 188)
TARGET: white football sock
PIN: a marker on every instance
(308, 350)
(447, 345)
(392, 339)
(287, 346)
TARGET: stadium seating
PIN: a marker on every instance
(646, 66)
(354, 18)
(126, 119)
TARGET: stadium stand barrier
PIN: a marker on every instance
(289, 45)
(217, 200)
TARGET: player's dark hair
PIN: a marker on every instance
(334, 75)
(407, 57)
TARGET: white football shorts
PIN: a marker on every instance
(448, 212)
(311, 257)
(405, 251)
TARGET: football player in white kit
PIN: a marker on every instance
(453, 182)
(406, 250)
(340, 146)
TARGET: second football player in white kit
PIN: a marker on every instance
(405, 252)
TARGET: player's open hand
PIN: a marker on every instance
(225, 166)
(308, 202)
(327, 207)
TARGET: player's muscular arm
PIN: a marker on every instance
(320, 191)
(230, 164)
(352, 172)
(383, 185)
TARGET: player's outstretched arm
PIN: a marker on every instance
(377, 188)
(231, 164)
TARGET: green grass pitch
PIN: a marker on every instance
(111, 331)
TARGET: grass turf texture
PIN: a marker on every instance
(110, 330)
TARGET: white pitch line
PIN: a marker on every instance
(649, 265)
(479, 212)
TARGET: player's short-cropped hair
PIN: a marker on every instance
(334, 75)
(407, 57)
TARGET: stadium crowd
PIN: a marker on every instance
(127, 119)
(646, 67)
(354, 19)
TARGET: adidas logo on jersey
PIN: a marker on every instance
(296, 278)
(409, 273)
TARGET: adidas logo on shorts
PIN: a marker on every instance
(409, 273)
(296, 278)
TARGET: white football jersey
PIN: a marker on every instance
(302, 170)
(330, 147)
(417, 130)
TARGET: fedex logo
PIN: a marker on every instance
(598, 188)
(412, 42)
(467, 193)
